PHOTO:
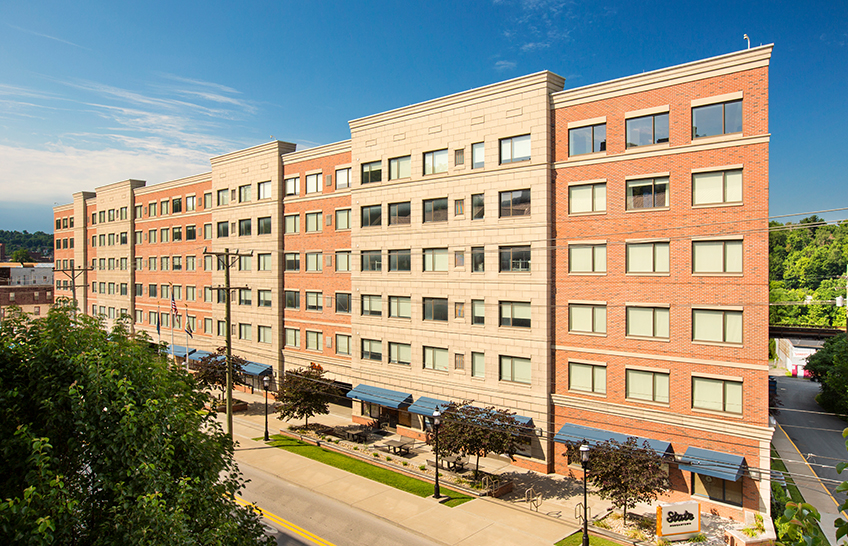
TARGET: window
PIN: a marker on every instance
(647, 193)
(436, 210)
(164, 290)
(139, 264)
(436, 309)
(399, 213)
(343, 260)
(342, 178)
(151, 263)
(514, 369)
(717, 119)
(139, 290)
(717, 188)
(478, 259)
(399, 167)
(478, 365)
(342, 302)
(647, 257)
(587, 258)
(459, 207)
(292, 261)
(223, 229)
(648, 322)
(459, 258)
(372, 305)
(207, 200)
(515, 149)
(313, 301)
(314, 340)
(292, 299)
(514, 258)
(178, 291)
(587, 319)
(191, 203)
(151, 290)
(372, 349)
(164, 262)
(207, 325)
(342, 219)
(112, 238)
(313, 222)
(223, 197)
(717, 257)
(459, 309)
(400, 260)
(371, 215)
(245, 296)
(435, 358)
(372, 260)
(163, 207)
(342, 344)
(515, 313)
(112, 213)
(264, 334)
(515, 203)
(717, 394)
(587, 198)
(292, 223)
(371, 172)
(584, 377)
(292, 337)
(191, 293)
(717, 489)
(435, 259)
(191, 233)
(716, 326)
(244, 227)
(400, 353)
(264, 262)
(292, 186)
(436, 162)
(587, 140)
(101, 217)
(263, 190)
(314, 261)
(313, 183)
(400, 307)
(478, 312)
(459, 156)
(207, 231)
(647, 385)
(477, 155)
(123, 239)
(177, 263)
(264, 225)
(646, 130)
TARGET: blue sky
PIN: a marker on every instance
(96, 92)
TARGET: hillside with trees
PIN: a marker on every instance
(36, 243)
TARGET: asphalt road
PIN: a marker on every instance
(332, 521)
(818, 437)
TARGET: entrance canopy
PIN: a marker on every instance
(713, 463)
(426, 406)
(381, 397)
(569, 434)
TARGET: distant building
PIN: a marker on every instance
(35, 300)
(792, 353)
(2, 252)
(29, 274)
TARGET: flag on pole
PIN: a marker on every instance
(187, 325)
(174, 310)
(158, 321)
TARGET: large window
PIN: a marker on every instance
(313, 183)
(716, 326)
(515, 203)
(342, 179)
(587, 140)
(292, 261)
(313, 222)
(372, 172)
(716, 188)
(342, 219)
(399, 213)
(584, 377)
(436, 162)
(587, 319)
(342, 260)
(514, 258)
(717, 257)
(648, 257)
(515, 313)
(342, 302)
(717, 119)
(587, 258)
(314, 261)
(648, 322)
(647, 193)
(514, 149)
(314, 340)
(342, 344)
(436, 210)
(435, 358)
(292, 299)
(372, 305)
(292, 223)
(435, 259)
(372, 215)
(647, 385)
(399, 167)
(400, 306)
(513, 368)
(372, 260)
(372, 349)
(400, 353)
(478, 153)
(717, 489)
(436, 309)
(313, 301)
(646, 130)
(717, 394)
(400, 260)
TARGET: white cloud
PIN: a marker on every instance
(47, 36)
(505, 65)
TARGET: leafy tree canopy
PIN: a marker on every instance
(305, 393)
(212, 370)
(829, 366)
(21, 255)
(102, 443)
(34, 242)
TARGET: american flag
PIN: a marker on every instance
(173, 303)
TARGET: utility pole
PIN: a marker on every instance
(224, 257)
(72, 274)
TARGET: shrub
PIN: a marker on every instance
(700, 537)
(603, 524)
(388, 458)
(422, 468)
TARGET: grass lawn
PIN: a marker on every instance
(777, 464)
(577, 540)
(366, 470)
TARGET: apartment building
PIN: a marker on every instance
(593, 259)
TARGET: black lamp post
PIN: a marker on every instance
(584, 459)
(436, 423)
(265, 381)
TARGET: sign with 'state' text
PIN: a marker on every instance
(679, 520)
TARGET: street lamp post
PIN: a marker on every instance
(436, 423)
(265, 381)
(584, 459)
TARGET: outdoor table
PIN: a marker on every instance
(455, 463)
(400, 447)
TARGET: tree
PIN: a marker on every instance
(829, 366)
(799, 525)
(470, 430)
(625, 472)
(304, 393)
(21, 255)
(212, 370)
(103, 443)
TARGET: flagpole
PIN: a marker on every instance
(173, 319)
(186, 333)
(159, 325)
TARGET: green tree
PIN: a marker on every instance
(304, 393)
(799, 525)
(21, 256)
(212, 370)
(829, 366)
(102, 443)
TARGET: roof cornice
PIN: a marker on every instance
(317, 152)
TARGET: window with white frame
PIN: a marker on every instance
(650, 386)
(515, 148)
(400, 307)
(292, 337)
(313, 222)
(292, 185)
(514, 369)
(648, 322)
(313, 301)
(587, 318)
(435, 358)
(717, 326)
(717, 394)
(717, 257)
(342, 344)
(313, 183)
(400, 167)
(647, 130)
(514, 313)
(647, 193)
(717, 188)
(342, 219)
(648, 257)
(372, 305)
(587, 258)
(400, 353)
(314, 340)
(435, 259)
(587, 377)
(372, 349)
(717, 119)
(342, 260)
(436, 162)
(314, 261)
(342, 179)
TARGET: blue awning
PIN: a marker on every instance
(569, 434)
(198, 354)
(712, 463)
(426, 406)
(180, 351)
(381, 397)
(255, 368)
